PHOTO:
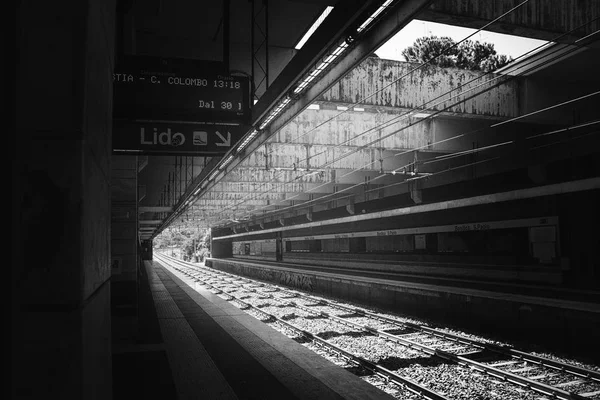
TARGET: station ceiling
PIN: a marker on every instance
(302, 160)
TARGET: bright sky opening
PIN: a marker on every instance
(512, 46)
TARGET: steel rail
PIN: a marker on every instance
(373, 367)
(461, 360)
(504, 350)
(542, 361)
(458, 359)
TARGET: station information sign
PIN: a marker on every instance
(175, 138)
(168, 89)
(175, 106)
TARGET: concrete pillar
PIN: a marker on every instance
(124, 242)
(60, 308)
(415, 192)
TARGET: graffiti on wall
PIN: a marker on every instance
(298, 281)
(286, 278)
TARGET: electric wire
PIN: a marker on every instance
(464, 134)
(388, 123)
(235, 205)
(421, 65)
(410, 72)
(336, 196)
(446, 157)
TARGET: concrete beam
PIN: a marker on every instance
(354, 128)
(432, 83)
(317, 157)
(246, 202)
(542, 19)
(395, 19)
(226, 195)
(154, 209)
(293, 187)
(565, 187)
(274, 175)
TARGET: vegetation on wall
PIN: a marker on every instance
(445, 52)
(190, 240)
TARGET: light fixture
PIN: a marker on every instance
(314, 27)
(247, 140)
(324, 64)
(213, 174)
(226, 161)
(275, 112)
(372, 17)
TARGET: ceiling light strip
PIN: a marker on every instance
(314, 27)
(373, 16)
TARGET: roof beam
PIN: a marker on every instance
(542, 19)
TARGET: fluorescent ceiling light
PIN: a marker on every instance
(226, 161)
(246, 141)
(314, 27)
(373, 16)
(314, 107)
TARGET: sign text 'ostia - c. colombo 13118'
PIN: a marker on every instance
(175, 106)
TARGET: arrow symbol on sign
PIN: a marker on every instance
(226, 142)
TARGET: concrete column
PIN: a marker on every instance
(124, 241)
(60, 308)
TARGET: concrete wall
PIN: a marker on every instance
(124, 230)
(390, 83)
(61, 327)
(519, 318)
(539, 19)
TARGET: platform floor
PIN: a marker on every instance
(192, 344)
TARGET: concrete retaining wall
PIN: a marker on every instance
(561, 326)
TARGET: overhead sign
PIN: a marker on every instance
(175, 138)
(171, 89)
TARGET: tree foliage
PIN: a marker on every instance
(189, 239)
(445, 52)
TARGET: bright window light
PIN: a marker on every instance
(314, 27)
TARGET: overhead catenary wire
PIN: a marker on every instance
(475, 150)
(464, 134)
(482, 149)
(429, 61)
(356, 169)
(388, 123)
(420, 66)
(335, 196)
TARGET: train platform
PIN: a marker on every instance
(527, 316)
(192, 344)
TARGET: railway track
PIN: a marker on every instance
(509, 373)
